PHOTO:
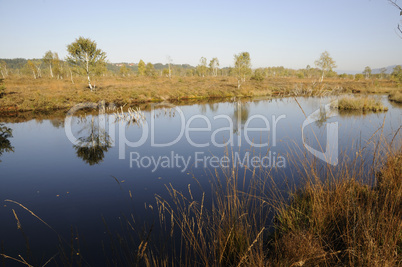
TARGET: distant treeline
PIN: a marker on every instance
(38, 68)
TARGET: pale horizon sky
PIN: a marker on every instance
(293, 34)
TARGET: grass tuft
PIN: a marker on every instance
(360, 103)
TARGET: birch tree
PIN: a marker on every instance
(367, 72)
(242, 67)
(213, 65)
(325, 63)
(202, 67)
(48, 60)
(35, 66)
(58, 68)
(86, 58)
(169, 61)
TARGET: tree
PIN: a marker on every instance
(3, 69)
(150, 70)
(397, 73)
(383, 72)
(86, 58)
(58, 66)
(165, 72)
(213, 66)
(367, 72)
(169, 60)
(202, 67)
(242, 67)
(325, 63)
(35, 67)
(123, 70)
(48, 60)
(141, 68)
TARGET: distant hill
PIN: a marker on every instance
(18, 63)
(15, 63)
(389, 70)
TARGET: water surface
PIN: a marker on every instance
(68, 184)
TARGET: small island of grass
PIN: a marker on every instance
(360, 103)
(396, 96)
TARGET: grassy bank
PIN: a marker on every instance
(27, 94)
(343, 222)
(360, 103)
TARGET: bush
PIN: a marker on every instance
(258, 75)
(359, 77)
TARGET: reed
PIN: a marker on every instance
(345, 218)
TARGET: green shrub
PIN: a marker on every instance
(258, 75)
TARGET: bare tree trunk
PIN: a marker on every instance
(51, 72)
(34, 74)
(87, 69)
(39, 72)
(71, 75)
(89, 83)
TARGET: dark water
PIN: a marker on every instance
(68, 184)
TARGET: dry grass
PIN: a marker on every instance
(360, 103)
(229, 231)
(396, 96)
(27, 94)
(343, 221)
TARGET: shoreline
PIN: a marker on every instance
(47, 95)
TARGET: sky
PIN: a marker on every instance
(293, 33)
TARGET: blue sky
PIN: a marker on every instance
(293, 33)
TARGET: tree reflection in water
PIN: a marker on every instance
(5, 144)
(241, 113)
(91, 149)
